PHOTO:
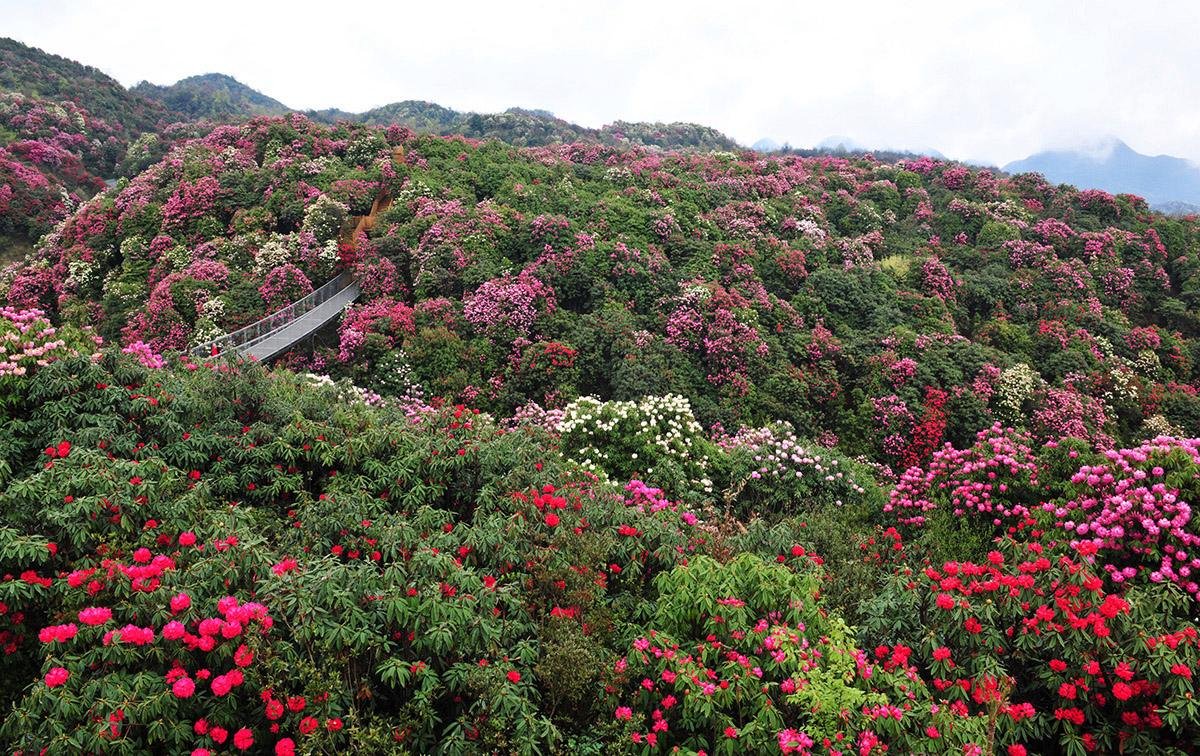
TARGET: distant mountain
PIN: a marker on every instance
(840, 144)
(851, 146)
(42, 76)
(1115, 167)
(1177, 208)
(766, 144)
(213, 96)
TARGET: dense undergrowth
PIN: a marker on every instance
(209, 556)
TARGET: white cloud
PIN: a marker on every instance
(992, 81)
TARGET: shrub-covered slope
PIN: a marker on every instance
(530, 128)
(64, 128)
(885, 308)
(40, 75)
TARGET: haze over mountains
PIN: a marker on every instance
(1166, 182)
(1170, 184)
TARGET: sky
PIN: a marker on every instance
(977, 80)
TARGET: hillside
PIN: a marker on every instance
(199, 554)
(52, 157)
(43, 76)
(1115, 167)
(883, 307)
(212, 97)
(64, 128)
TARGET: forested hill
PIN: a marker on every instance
(66, 127)
(523, 127)
(40, 75)
(884, 307)
(214, 97)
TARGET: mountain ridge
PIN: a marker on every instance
(1118, 168)
(212, 96)
(221, 97)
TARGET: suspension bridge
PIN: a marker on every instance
(279, 331)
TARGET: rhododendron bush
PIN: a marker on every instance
(1031, 637)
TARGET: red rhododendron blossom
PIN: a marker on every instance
(57, 676)
(243, 739)
(95, 615)
(136, 636)
(514, 676)
(221, 685)
(183, 687)
(58, 633)
(285, 566)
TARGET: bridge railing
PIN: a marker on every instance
(243, 338)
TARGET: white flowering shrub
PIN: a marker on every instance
(208, 316)
(347, 391)
(271, 255)
(1156, 426)
(82, 274)
(393, 376)
(179, 256)
(122, 290)
(324, 219)
(772, 472)
(411, 191)
(656, 439)
(1015, 386)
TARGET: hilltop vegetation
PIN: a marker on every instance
(211, 97)
(66, 127)
(42, 76)
(884, 308)
(530, 128)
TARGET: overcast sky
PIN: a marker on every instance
(988, 81)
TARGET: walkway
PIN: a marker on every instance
(283, 328)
